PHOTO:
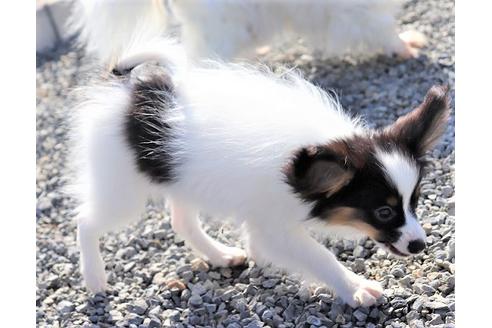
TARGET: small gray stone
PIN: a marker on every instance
(183, 268)
(304, 294)
(424, 289)
(436, 320)
(214, 275)
(418, 304)
(127, 267)
(359, 315)
(134, 319)
(412, 315)
(313, 320)
(398, 272)
(254, 324)
(160, 234)
(187, 275)
(125, 253)
(65, 307)
(359, 265)
(152, 323)
(198, 289)
(428, 290)
(451, 206)
(234, 325)
(336, 310)
(155, 310)
(340, 319)
(406, 281)
(195, 300)
(139, 306)
(360, 251)
(436, 305)
(374, 313)
(115, 315)
(171, 314)
(270, 283)
(447, 191)
(266, 315)
(417, 324)
(240, 305)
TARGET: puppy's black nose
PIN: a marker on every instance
(416, 246)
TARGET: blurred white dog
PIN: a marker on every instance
(237, 29)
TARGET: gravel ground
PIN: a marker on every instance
(156, 280)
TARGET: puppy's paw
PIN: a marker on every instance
(413, 38)
(229, 256)
(368, 293)
(364, 293)
(94, 277)
(413, 41)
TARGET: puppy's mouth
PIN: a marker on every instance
(394, 250)
(391, 249)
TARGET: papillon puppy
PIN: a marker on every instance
(240, 29)
(273, 153)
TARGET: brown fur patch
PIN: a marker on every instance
(392, 201)
(351, 217)
(342, 215)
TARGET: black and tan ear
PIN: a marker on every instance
(421, 129)
(313, 171)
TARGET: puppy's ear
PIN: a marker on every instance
(421, 129)
(317, 170)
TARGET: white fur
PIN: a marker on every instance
(230, 29)
(235, 29)
(105, 26)
(403, 173)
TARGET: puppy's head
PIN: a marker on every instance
(370, 182)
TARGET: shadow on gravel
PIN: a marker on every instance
(366, 84)
(98, 309)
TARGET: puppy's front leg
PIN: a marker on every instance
(294, 249)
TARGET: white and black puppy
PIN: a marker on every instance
(273, 153)
(237, 29)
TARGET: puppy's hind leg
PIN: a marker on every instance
(186, 224)
(115, 200)
(91, 262)
(94, 224)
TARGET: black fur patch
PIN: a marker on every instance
(147, 132)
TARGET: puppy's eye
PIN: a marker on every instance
(384, 213)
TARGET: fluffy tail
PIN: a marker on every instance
(109, 29)
(137, 53)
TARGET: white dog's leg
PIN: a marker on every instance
(91, 262)
(186, 224)
(109, 210)
(90, 230)
(295, 250)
